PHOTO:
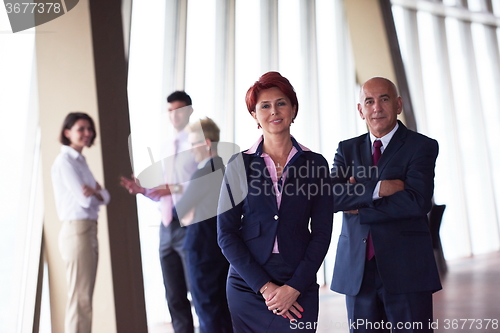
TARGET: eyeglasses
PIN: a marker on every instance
(198, 143)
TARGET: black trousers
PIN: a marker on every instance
(174, 269)
(207, 277)
(374, 309)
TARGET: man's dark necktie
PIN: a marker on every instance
(377, 152)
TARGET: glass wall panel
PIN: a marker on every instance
(291, 61)
(248, 67)
(338, 95)
(460, 80)
(488, 70)
(200, 58)
(20, 216)
(145, 83)
(472, 141)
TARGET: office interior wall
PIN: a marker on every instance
(66, 83)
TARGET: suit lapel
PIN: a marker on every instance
(366, 152)
(395, 144)
(259, 166)
(296, 162)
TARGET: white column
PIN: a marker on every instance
(414, 68)
(269, 53)
(225, 67)
(175, 47)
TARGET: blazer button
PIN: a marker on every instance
(364, 240)
(276, 217)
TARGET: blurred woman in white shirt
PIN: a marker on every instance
(78, 197)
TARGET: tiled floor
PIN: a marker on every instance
(471, 290)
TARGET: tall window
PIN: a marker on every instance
(21, 213)
(304, 40)
(248, 66)
(456, 48)
(200, 58)
(147, 120)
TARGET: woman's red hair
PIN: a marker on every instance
(271, 80)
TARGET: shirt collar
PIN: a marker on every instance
(256, 149)
(181, 135)
(202, 164)
(386, 138)
(71, 152)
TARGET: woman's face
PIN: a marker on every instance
(274, 111)
(80, 134)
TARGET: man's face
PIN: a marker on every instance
(379, 106)
(179, 114)
(199, 147)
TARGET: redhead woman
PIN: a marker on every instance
(275, 218)
(78, 197)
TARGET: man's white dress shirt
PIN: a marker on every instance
(385, 142)
(178, 166)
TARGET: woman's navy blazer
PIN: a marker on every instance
(249, 218)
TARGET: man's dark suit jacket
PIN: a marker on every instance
(207, 266)
(303, 223)
(202, 194)
(398, 223)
